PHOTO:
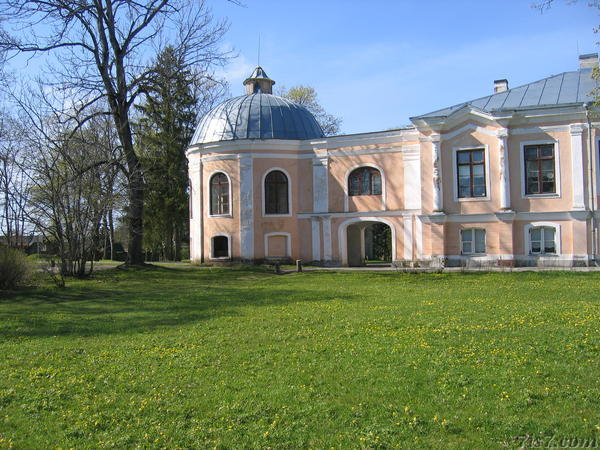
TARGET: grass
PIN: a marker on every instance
(229, 358)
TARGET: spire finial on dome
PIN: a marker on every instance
(259, 82)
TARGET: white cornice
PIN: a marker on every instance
(506, 216)
(330, 143)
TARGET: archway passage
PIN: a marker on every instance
(369, 244)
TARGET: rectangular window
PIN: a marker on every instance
(472, 241)
(542, 240)
(470, 169)
(540, 177)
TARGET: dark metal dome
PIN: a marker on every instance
(257, 116)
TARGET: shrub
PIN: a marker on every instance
(15, 268)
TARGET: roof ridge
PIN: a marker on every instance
(487, 99)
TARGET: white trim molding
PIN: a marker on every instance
(320, 184)
(527, 240)
(220, 258)
(486, 165)
(316, 238)
(436, 163)
(504, 165)
(578, 177)
(246, 208)
(289, 192)
(343, 235)
(346, 184)
(288, 243)
(523, 180)
(228, 214)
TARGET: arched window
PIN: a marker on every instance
(220, 247)
(364, 181)
(219, 194)
(276, 193)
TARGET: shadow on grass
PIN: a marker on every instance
(124, 301)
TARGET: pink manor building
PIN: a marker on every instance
(509, 179)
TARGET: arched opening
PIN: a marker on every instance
(220, 247)
(369, 243)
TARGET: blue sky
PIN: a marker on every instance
(377, 63)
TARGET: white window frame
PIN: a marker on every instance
(347, 183)
(220, 258)
(208, 196)
(486, 155)
(557, 238)
(264, 192)
(288, 247)
(472, 230)
(523, 181)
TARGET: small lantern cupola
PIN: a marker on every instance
(259, 82)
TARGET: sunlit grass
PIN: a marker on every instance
(242, 357)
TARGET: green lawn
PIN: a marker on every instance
(235, 358)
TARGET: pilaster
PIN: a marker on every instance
(246, 209)
(504, 169)
(577, 177)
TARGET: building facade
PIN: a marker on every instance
(509, 179)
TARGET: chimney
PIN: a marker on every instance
(500, 86)
(588, 61)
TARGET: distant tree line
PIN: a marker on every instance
(98, 139)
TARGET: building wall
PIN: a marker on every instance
(425, 230)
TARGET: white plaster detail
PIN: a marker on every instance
(507, 216)
(320, 185)
(419, 236)
(504, 169)
(288, 242)
(408, 237)
(395, 213)
(246, 209)
(289, 192)
(316, 238)
(469, 127)
(436, 174)
(578, 177)
(327, 244)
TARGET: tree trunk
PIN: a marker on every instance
(135, 251)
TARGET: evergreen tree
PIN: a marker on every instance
(165, 127)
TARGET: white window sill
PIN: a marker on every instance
(220, 216)
(534, 196)
(472, 199)
(220, 258)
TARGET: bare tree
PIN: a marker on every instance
(14, 187)
(71, 173)
(101, 49)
